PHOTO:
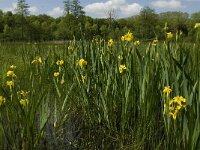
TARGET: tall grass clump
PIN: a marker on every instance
(101, 94)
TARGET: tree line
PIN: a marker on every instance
(147, 25)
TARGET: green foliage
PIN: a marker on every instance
(22, 8)
(73, 7)
(146, 26)
(67, 6)
(146, 23)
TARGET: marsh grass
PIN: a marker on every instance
(109, 109)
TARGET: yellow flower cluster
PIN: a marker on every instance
(110, 42)
(127, 37)
(137, 43)
(197, 25)
(83, 78)
(37, 60)
(24, 102)
(10, 84)
(11, 73)
(2, 101)
(167, 90)
(169, 35)
(60, 62)
(23, 93)
(82, 63)
(155, 42)
(56, 74)
(13, 67)
(122, 68)
(173, 106)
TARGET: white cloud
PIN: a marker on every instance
(33, 10)
(123, 8)
(56, 12)
(12, 8)
(131, 9)
(171, 4)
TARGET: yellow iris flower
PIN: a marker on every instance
(122, 68)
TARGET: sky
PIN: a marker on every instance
(99, 8)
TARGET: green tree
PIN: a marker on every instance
(23, 10)
(67, 6)
(73, 21)
(6, 32)
(104, 31)
(77, 9)
(1, 12)
(1, 21)
(146, 23)
(10, 21)
(176, 21)
(196, 17)
(111, 15)
(67, 28)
